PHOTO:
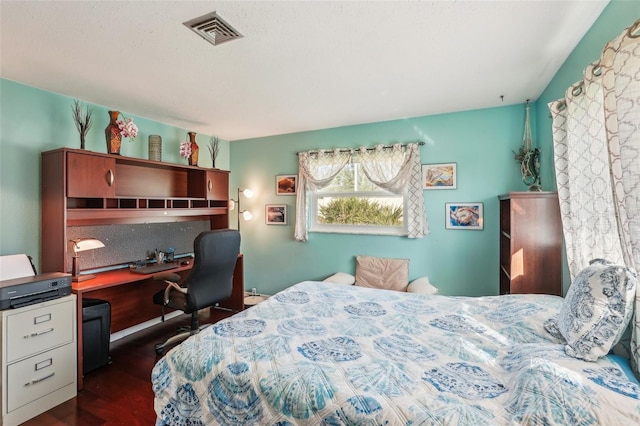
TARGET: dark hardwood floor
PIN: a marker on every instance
(120, 393)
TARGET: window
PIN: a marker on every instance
(394, 168)
(351, 203)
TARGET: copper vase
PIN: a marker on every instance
(193, 158)
(112, 133)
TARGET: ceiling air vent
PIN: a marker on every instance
(213, 29)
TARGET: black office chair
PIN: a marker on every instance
(210, 280)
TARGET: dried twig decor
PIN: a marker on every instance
(214, 148)
(82, 120)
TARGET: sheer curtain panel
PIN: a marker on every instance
(596, 132)
(316, 169)
(399, 170)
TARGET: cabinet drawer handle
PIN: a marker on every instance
(210, 185)
(110, 173)
(44, 364)
(38, 333)
(41, 319)
(34, 381)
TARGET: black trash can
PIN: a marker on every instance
(96, 330)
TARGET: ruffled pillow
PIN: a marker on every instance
(422, 286)
(341, 278)
(597, 309)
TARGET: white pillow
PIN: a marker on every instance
(597, 309)
(341, 278)
(422, 286)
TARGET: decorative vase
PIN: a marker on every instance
(112, 133)
(155, 147)
(193, 158)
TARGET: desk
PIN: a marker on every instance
(130, 296)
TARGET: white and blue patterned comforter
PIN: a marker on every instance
(325, 354)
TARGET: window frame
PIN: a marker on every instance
(315, 226)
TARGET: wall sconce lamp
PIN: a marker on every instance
(78, 245)
(246, 214)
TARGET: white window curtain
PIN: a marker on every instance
(583, 175)
(596, 132)
(316, 169)
(397, 170)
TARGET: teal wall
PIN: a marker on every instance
(618, 15)
(481, 142)
(457, 261)
(34, 120)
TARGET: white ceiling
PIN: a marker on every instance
(301, 65)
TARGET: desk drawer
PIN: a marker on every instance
(40, 375)
(34, 330)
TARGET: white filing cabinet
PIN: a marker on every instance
(38, 357)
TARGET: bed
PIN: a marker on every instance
(327, 354)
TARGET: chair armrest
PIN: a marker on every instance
(172, 279)
(172, 286)
(167, 276)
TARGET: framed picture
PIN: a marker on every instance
(275, 214)
(286, 184)
(439, 176)
(464, 216)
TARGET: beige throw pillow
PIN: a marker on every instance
(377, 272)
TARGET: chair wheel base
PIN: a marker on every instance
(159, 347)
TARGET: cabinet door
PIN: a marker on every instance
(217, 185)
(530, 243)
(90, 176)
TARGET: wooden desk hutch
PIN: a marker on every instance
(84, 188)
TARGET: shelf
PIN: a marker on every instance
(135, 203)
(97, 211)
(147, 215)
(506, 273)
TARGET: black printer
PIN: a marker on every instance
(19, 292)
